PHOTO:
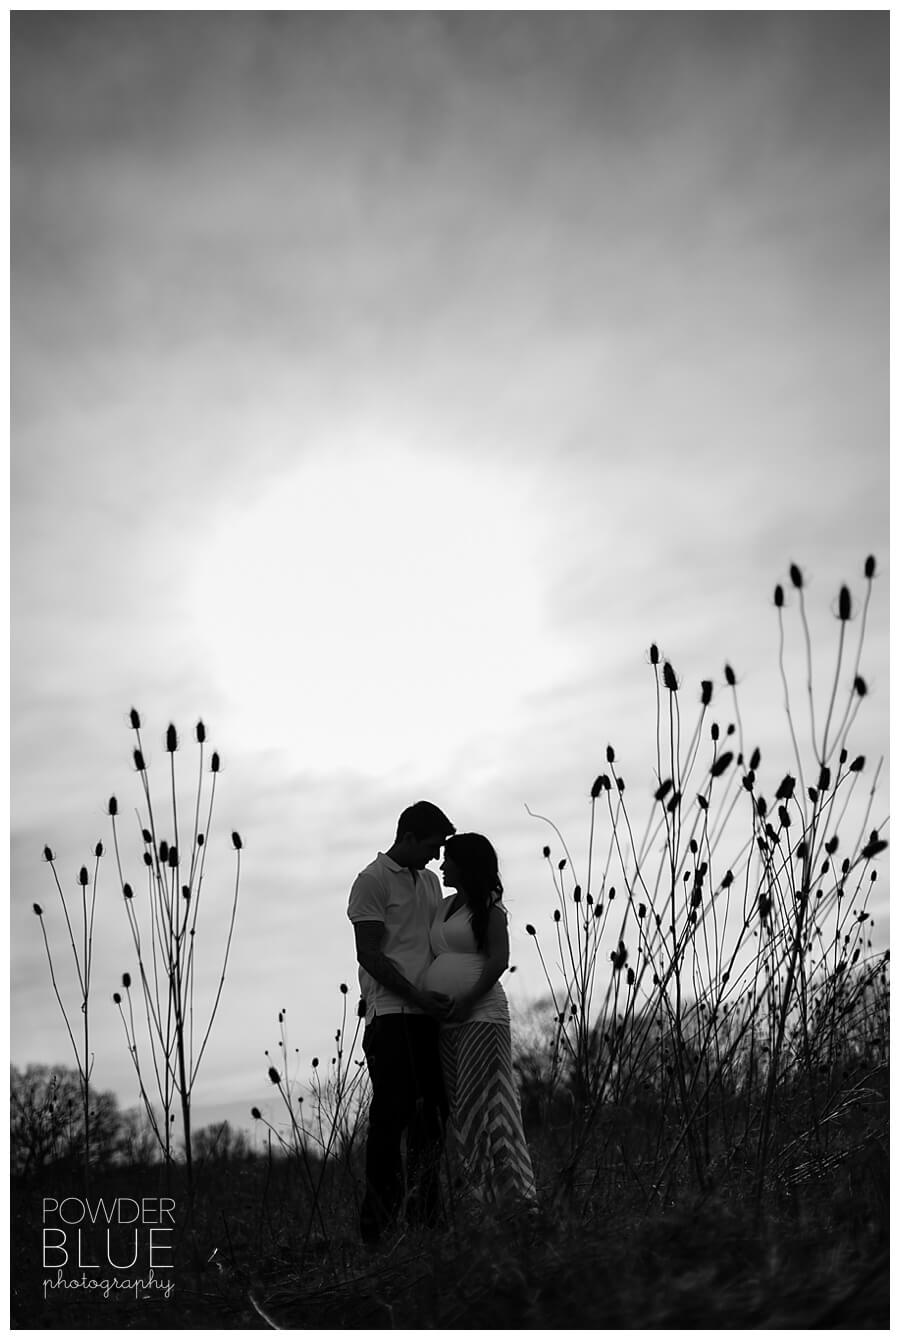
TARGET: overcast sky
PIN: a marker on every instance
(382, 386)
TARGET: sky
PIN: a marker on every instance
(382, 385)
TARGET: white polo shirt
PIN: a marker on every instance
(405, 901)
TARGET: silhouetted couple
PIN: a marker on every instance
(437, 1036)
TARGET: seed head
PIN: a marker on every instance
(361, 1009)
(127, 891)
(214, 762)
(669, 680)
(173, 858)
(870, 566)
(48, 854)
(663, 789)
(576, 893)
(315, 1063)
(274, 1075)
(706, 692)
(343, 988)
(38, 910)
(98, 850)
(858, 763)
(146, 835)
(529, 929)
(729, 675)
(721, 763)
(654, 654)
(83, 876)
(117, 998)
(610, 754)
(596, 788)
(714, 731)
(139, 761)
(236, 841)
(824, 778)
(556, 914)
(171, 739)
(755, 760)
(200, 732)
(200, 839)
(860, 685)
(844, 604)
(786, 789)
(779, 596)
(164, 851)
(256, 1114)
(874, 845)
(113, 806)
(796, 576)
(126, 980)
(546, 852)
(135, 719)
(629, 977)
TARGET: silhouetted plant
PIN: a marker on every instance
(163, 929)
(709, 988)
(323, 1132)
(82, 949)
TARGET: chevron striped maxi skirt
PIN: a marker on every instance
(485, 1111)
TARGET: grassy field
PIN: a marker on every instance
(249, 1254)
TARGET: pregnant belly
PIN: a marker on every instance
(453, 973)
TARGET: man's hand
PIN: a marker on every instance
(459, 1011)
(434, 1003)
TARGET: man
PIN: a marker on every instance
(392, 903)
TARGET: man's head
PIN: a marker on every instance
(421, 831)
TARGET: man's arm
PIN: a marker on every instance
(370, 956)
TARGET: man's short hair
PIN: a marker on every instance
(424, 820)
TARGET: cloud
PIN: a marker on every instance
(624, 275)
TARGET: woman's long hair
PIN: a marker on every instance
(479, 874)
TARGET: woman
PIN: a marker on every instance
(471, 945)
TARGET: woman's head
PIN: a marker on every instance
(470, 864)
(474, 860)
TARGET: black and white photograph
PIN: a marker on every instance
(449, 684)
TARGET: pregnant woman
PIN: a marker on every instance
(471, 945)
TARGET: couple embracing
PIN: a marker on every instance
(437, 1036)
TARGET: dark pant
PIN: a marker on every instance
(407, 1095)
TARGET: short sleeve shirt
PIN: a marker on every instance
(405, 901)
